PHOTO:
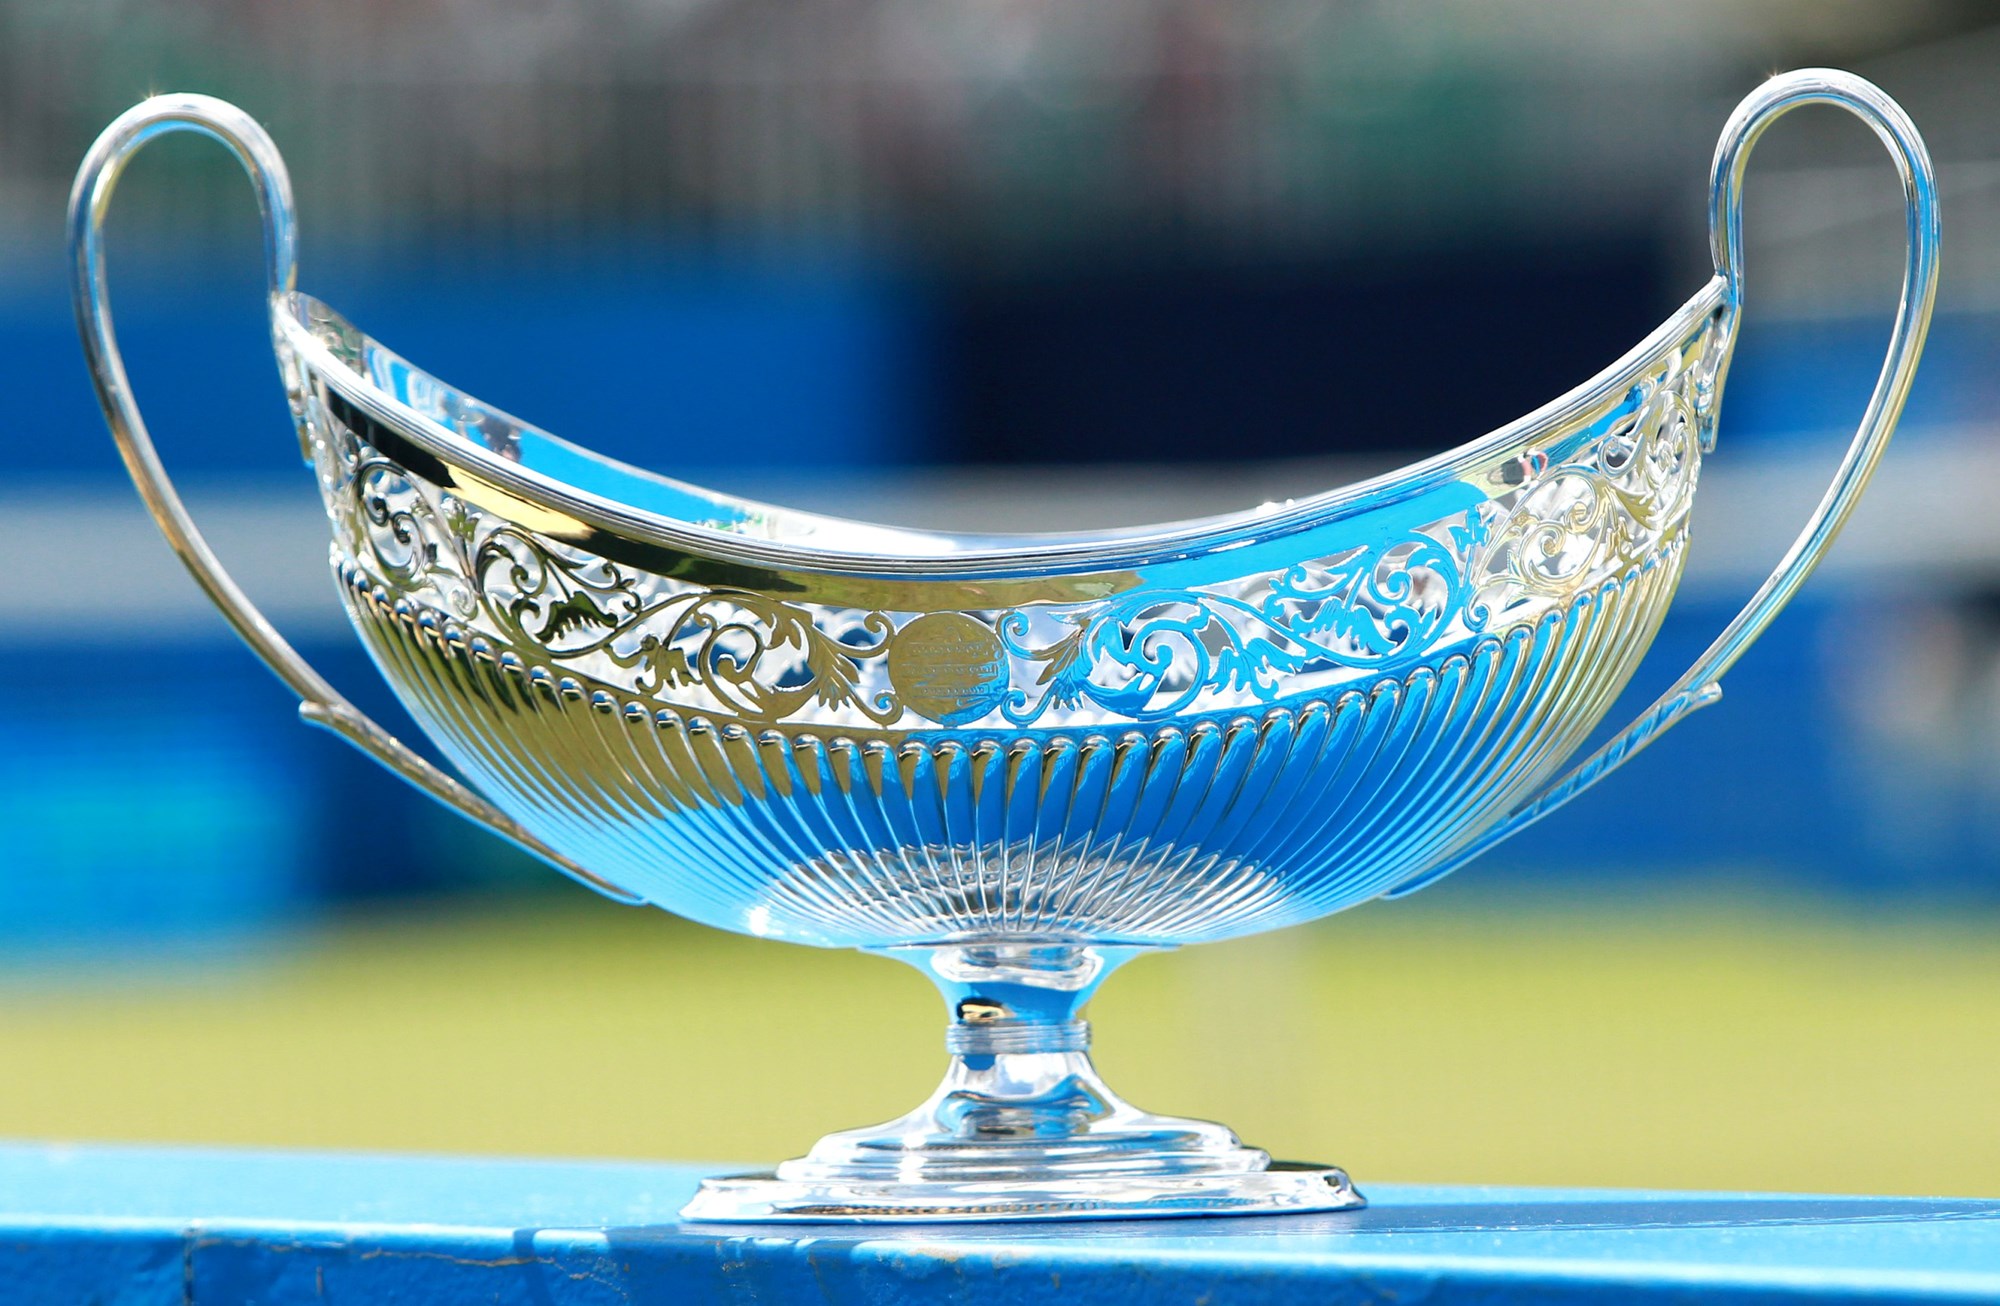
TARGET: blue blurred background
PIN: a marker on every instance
(997, 263)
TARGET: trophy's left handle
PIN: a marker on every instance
(319, 702)
(1701, 684)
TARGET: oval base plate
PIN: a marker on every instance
(1284, 1187)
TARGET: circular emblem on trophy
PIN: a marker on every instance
(948, 668)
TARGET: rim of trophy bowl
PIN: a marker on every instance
(899, 550)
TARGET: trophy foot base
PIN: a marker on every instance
(1022, 1128)
(1281, 1187)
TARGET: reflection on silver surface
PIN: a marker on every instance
(1926, 510)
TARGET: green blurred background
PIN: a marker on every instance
(1731, 1041)
(1009, 265)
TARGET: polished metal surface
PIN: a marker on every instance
(1010, 760)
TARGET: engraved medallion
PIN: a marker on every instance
(948, 668)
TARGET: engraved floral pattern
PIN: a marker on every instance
(1533, 532)
(1606, 510)
(1155, 653)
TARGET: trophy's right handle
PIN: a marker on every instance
(1702, 683)
(319, 702)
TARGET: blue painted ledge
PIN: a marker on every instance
(126, 1225)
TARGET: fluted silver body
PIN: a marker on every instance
(1236, 748)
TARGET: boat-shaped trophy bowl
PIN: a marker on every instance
(1013, 761)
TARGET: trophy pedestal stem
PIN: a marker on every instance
(1023, 1127)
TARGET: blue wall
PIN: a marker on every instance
(804, 366)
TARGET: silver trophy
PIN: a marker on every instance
(1010, 761)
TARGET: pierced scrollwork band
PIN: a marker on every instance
(1608, 510)
(1382, 593)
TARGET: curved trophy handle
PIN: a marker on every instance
(320, 703)
(1702, 683)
